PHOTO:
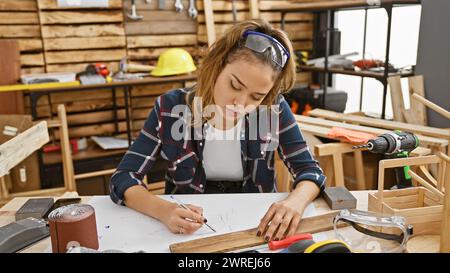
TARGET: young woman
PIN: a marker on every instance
(246, 70)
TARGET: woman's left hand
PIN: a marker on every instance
(281, 220)
(283, 217)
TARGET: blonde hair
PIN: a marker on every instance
(228, 48)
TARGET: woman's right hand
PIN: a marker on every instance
(183, 221)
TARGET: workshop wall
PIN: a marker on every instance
(54, 39)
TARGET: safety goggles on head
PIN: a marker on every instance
(260, 42)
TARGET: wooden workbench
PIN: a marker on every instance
(7, 213)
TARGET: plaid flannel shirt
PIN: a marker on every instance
(185, 172)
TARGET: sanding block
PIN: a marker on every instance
(339, 198)
(35, 207)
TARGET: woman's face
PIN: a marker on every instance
(242, 86)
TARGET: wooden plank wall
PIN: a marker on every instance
(19, 20)
(74, 38)
(159, 30)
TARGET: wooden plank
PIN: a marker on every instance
(20, 31)
(425, 130)
(225, 17)
(58, 31)
(289, 17)
(79, 56)
(209, 20)
(93, 130)
(425, 140)
(154, 52)
(267, 15)
(36, 59)
(20, 147)
(160, 27)
(53, 5)
(416, 85)
(431, 105)
(95, 117)
(30, 44)
(398, 105)
(14, 5)
(247, 238)
(160, 15)
(84, 43)
(78, 67)
(445, 234)
(290, 28)
(254, 9)
(80, 17)
(161, 40)
(18, 18)
(218, 5)
(32, 70)
(142, 5)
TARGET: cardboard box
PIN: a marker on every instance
(25, 176)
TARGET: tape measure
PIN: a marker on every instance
(311, 246)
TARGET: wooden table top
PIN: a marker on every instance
(8, 211)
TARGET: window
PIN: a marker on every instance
(403, 51)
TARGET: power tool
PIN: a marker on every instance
(396, 144)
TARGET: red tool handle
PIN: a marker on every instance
(51, 148)
(273, 245)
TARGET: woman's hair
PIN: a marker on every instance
(229, 48)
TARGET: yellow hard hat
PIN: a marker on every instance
(174, 61)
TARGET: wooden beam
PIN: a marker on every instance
(84, 43)
(161, 40)
(247, 238)
(80, 17)
(66, 152)
(52, 5)
(209, 16)
(431, 105)
(425, 140)
(20, 147)
(14, 5)
(56, 57)
(254, 9)
(94, 174)
(19, 31)
(416, 86)
(393, 125)
(426, 184)
(445, 229)
(61, 31)
(397, 98)
(18, 18)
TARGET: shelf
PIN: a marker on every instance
(92, 151)
(367, 74)
(299, 5)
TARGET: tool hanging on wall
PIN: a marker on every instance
(192, 11)
(134, 15)
(394, 144)
(178, 5)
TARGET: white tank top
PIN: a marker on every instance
(222, 153)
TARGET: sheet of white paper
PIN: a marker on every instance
(83, 3)
(124, 229)
(108, 143)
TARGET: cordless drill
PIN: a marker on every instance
(394, 144)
